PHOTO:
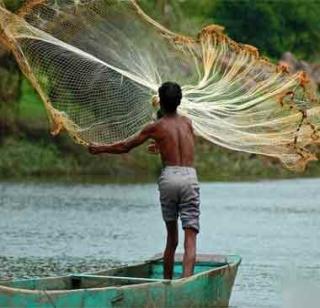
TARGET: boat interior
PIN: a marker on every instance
(148, 272)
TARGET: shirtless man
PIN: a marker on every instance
(178, 185)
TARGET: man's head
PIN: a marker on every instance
(170, 97)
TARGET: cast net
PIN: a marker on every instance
(97, 65)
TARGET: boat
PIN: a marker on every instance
(138, 285)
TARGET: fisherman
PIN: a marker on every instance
(173, 138)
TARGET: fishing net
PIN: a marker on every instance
(97, 65)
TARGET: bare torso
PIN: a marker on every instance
(175, 140)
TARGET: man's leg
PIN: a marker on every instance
(190, 246)
(172, 243)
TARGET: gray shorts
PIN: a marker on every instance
(179, 195)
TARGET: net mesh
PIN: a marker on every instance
(97, 65)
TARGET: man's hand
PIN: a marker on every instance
(94, 148)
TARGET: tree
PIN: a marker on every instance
(272, 26)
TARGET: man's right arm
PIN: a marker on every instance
(124, 146)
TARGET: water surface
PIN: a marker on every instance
(52, 229)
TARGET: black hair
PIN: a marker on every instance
(170, 97)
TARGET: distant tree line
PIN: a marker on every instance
(273, 26)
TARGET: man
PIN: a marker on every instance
(178, 185)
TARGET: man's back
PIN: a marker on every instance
(175, 140)
(178, 183)
(178, 187)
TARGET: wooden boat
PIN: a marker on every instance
(139, 285)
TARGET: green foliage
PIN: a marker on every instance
(8, 116)
(9, 83)
(31, 107)
(197, 14)
(13, 5)
(272, 26)
(25, 158)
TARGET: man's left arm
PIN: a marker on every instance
(124, 146)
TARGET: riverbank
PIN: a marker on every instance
(57, 159)
(27, 150)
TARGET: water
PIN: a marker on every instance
(51, 229)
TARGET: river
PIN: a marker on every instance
(53, 229)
